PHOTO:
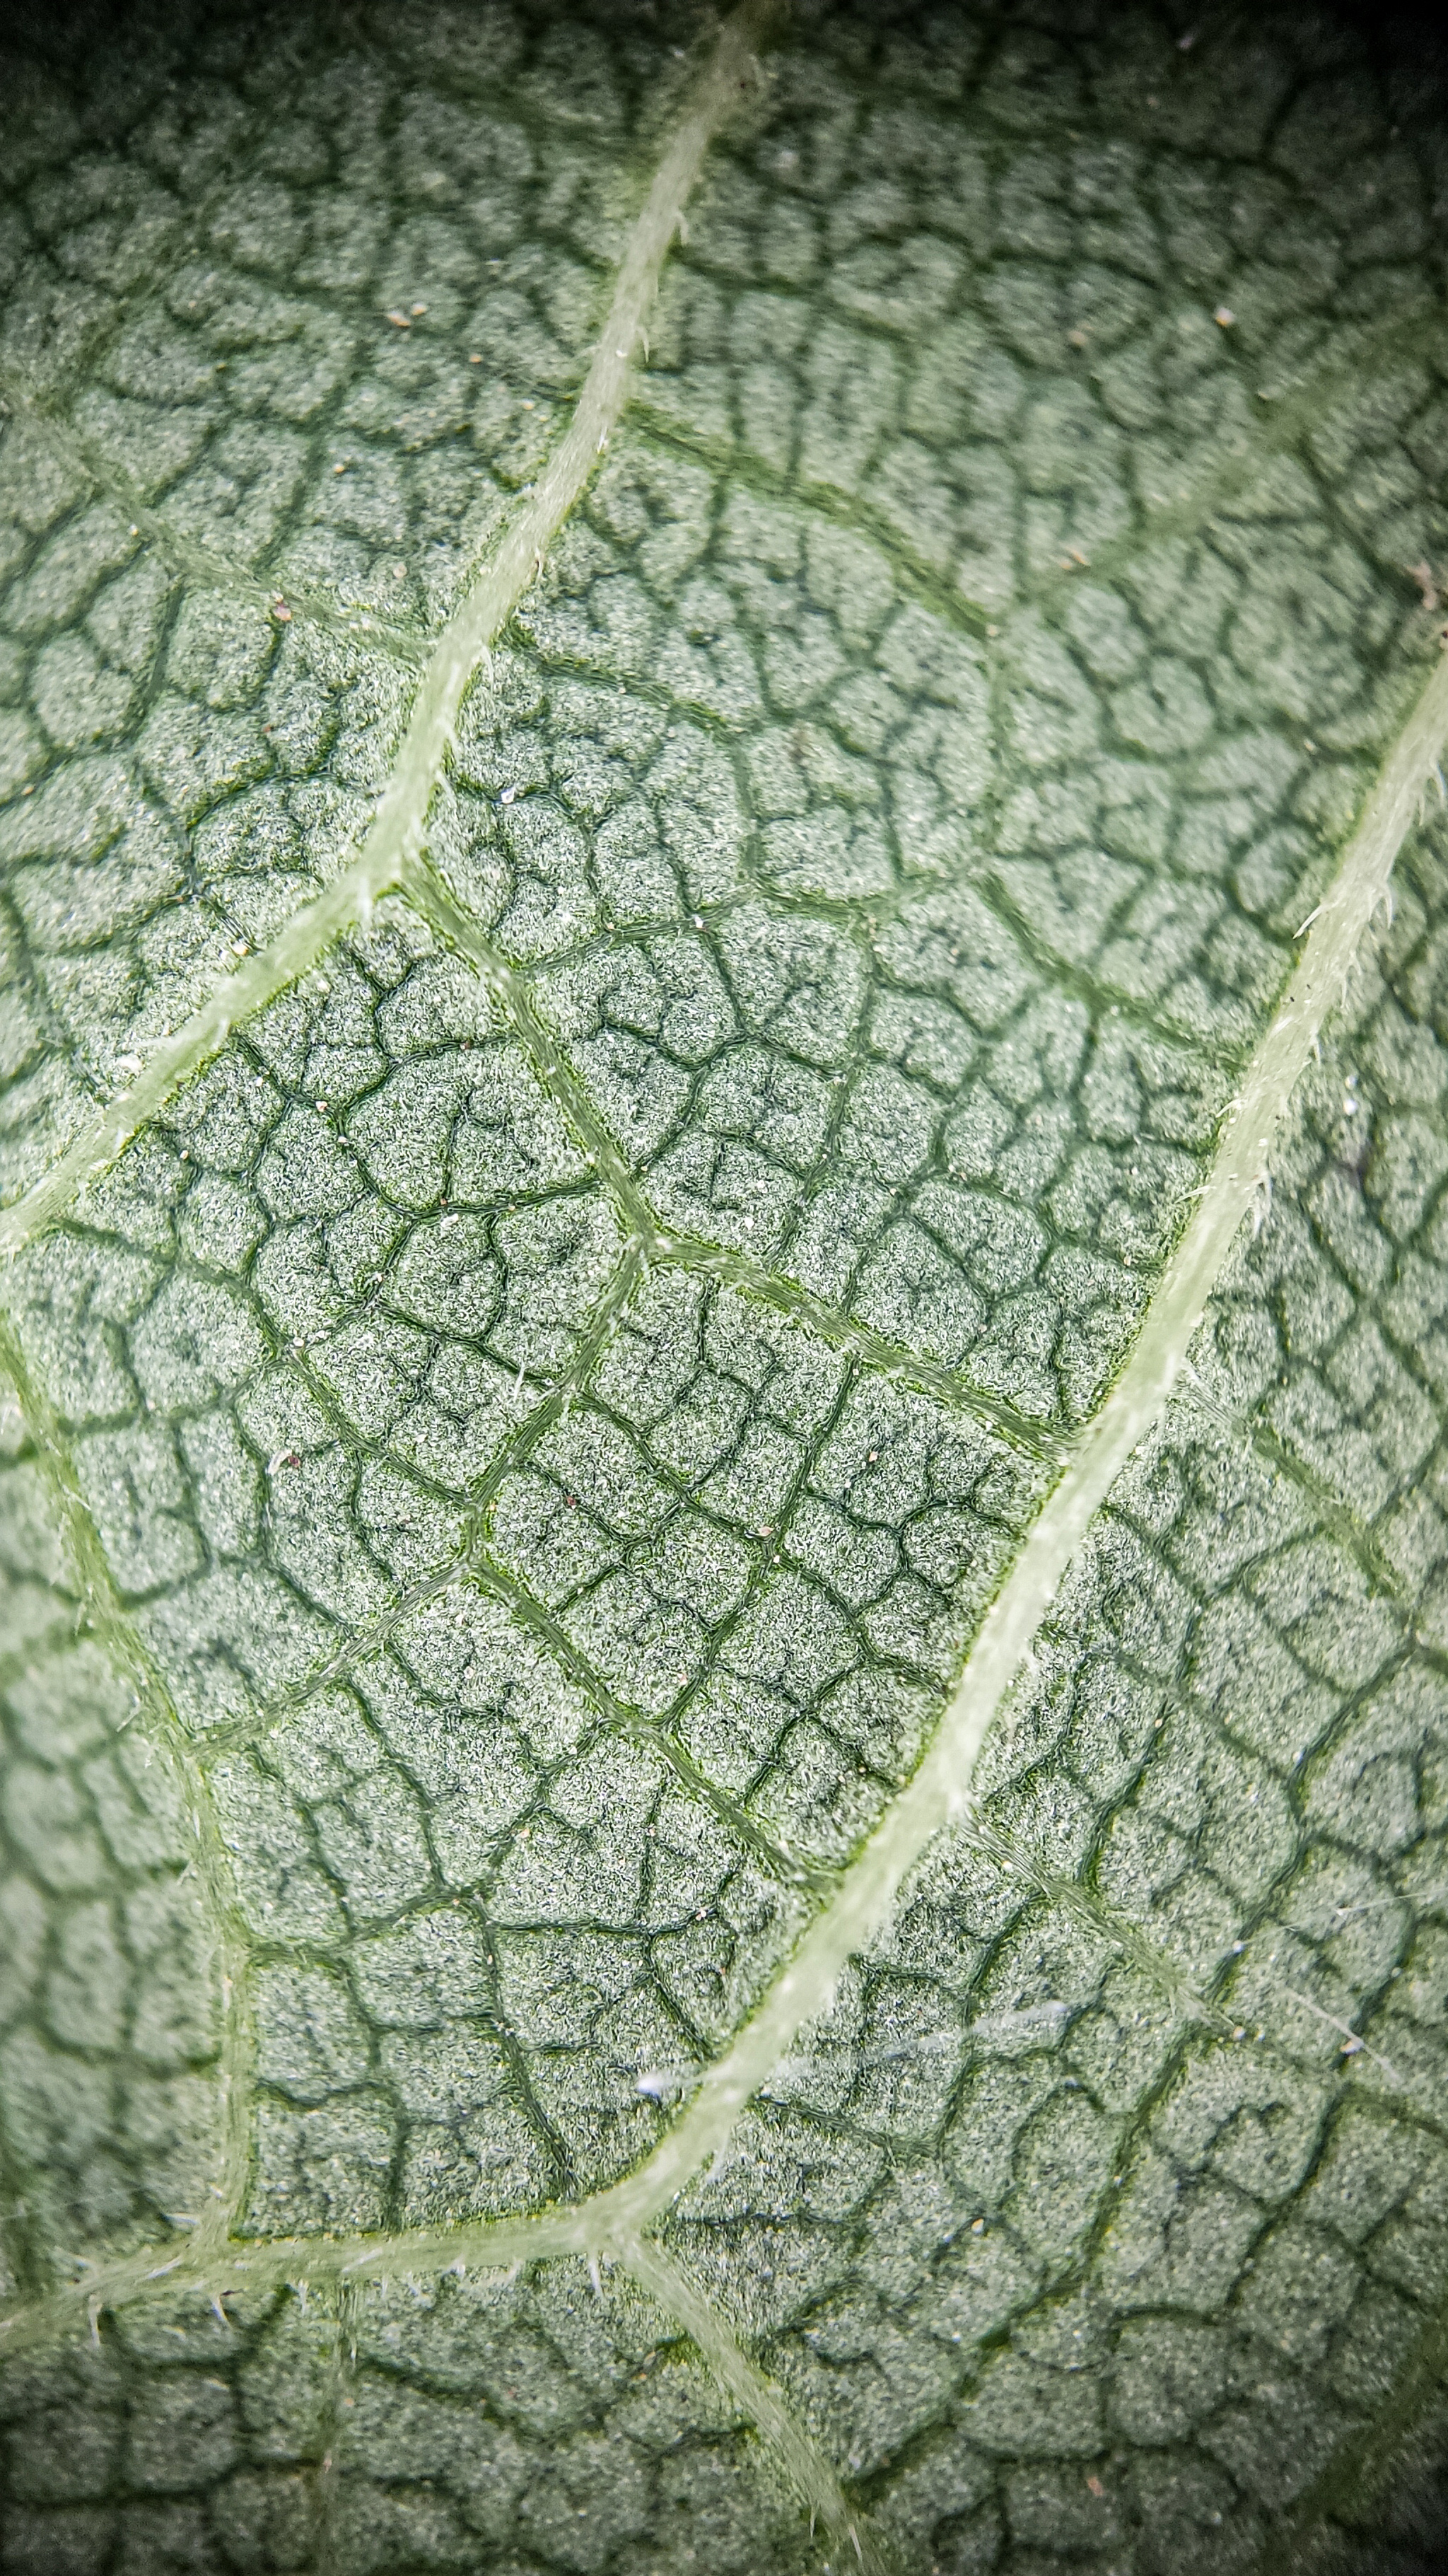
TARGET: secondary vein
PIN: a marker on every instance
(395, 835)
(940, 1792)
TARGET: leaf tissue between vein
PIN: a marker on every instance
(724, 1688)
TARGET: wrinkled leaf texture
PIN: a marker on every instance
(725, 1116)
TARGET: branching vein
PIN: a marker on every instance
(939, 1794)
(395, 835)
(615, 2222)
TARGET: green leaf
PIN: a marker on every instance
(725, 1499)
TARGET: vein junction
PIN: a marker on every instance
(392, 855)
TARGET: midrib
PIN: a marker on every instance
(613, 2220)
(390, 854)
(395, 836)
(939, 1793)
(380, 863)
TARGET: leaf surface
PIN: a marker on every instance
(726, 1683)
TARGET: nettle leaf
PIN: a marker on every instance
(725, 1504)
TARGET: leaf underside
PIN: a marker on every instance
(724, 1487)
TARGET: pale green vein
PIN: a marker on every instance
(664, 1246)
(804, 2463)
(613, 2221)
(109, 1622)
(395, 835)
(940, 1791)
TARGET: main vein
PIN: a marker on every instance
(395, 835)
(390, 853)
(939, 1793)
(940, 1790)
